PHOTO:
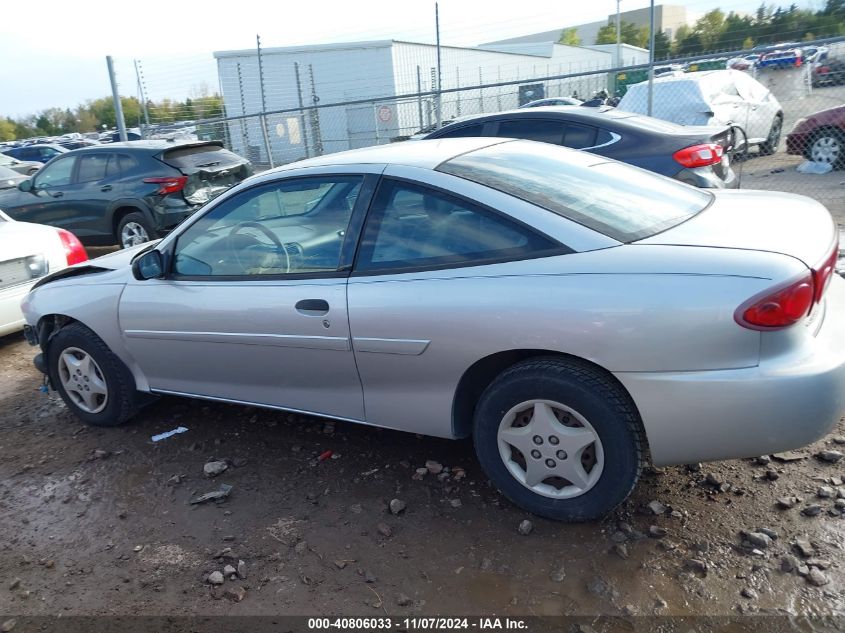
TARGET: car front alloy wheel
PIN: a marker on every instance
(827, 148)
(94, 383)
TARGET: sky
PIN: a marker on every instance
(58, 60)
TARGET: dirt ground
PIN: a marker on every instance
(98, 521)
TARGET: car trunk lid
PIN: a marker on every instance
(761, 221)
(209, 167)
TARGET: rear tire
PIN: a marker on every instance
(134, 229)
(94, 383)
(559, 438)
(770, 146)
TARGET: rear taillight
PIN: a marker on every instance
(783, 306)
(780, 307)
(74, 251)
(699, 155)
(168, 184)
(823, 273)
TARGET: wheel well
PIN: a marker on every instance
(481, 373)
(119, 214)
(49, 325)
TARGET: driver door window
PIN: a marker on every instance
(56, 174)
(288, 227)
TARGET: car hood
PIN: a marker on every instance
(761, 221)
(117, 264)
(120, 259)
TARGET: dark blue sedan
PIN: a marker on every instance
(697, 155)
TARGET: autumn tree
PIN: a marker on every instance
(570, 37)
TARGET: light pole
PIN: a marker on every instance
(618, 37)
(651, 60)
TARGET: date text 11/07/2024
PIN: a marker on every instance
(418, 624)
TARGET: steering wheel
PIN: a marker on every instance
(264, 231)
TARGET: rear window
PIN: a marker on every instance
(193, 157)
(620, 201)
(462, 132)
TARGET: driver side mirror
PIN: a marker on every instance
(25, 185)
(148, 266)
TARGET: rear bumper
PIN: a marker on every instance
(784, 403)
(11, 317)
(706, 178)
(170, 211)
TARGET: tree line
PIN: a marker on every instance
(94, 114)
(717, 31)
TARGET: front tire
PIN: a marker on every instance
(827, 146)
(559, 438)
(134, 229)
(94, 383)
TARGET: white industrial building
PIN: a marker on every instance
(362, 71)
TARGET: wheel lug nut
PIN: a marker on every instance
(553, 439)
(535, 454)
(538, 440)
(550, 463)
(561, 455)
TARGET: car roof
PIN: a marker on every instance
(426, 154)
(587, 112)
(608, 117)
(145, 146)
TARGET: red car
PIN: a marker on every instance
(820, 137)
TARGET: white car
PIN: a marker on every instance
(28, 252)
(713, 97)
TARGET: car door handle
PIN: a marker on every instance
(312, 307)
(58, 194)
(106, 188)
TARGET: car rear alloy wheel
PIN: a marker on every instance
(770, 146)
(559, 437)
(550, 449)
(94, 383)
(827, 148)
(83, 381)
(133, 230)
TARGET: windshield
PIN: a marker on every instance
(623, 202)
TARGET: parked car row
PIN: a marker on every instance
(783, 55)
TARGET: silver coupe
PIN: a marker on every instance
(578, 317)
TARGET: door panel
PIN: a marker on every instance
(90, 194)
(410, 331)
(245, 341)
(255, 308)
(48, 202)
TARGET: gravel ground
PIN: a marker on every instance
(98, 521)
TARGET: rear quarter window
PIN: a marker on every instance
(617, 200)
(194, 157)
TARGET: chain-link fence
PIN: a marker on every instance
(279, 110)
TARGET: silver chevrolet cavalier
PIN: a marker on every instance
(576, 316)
